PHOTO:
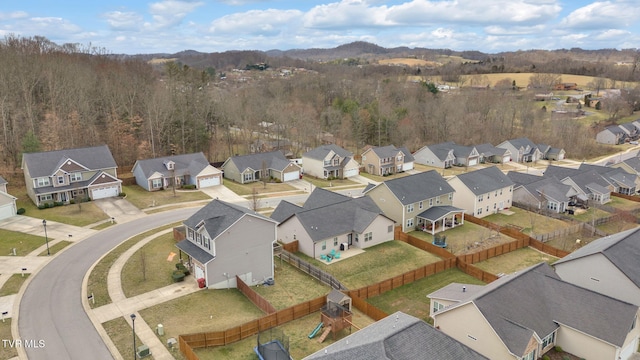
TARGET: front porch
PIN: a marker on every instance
(439, 218)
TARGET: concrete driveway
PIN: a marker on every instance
(119, 209)
(223, 193)
(55, 230)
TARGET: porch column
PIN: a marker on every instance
(462, 218)
(433, 227)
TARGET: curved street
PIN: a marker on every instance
(52, 322)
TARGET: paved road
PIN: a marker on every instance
(51, 307)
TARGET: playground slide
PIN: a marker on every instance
(315, 331)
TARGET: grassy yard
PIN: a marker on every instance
(13, 285)
(122, 336)
(202, 311)
(377, 263)
(157, 269)
(412, 298)
(97, 283)
(514, 261)
(568, 242)
(379, 178)
(322, 183)
(291, 287)
(73, 214)
(467, 238)
(530, 222)
(143, 199)
(56, 247)
(297, 331)
(23, 243)
(6, 352)
(589, 214)
(616, 226)
(623, 204)
(259, 187)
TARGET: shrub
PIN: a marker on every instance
(122, 194)
(565, 357)
(41, 206)
(558, 348)
(72, 201)
(181, 267)
(189, 187)
(21, 211)
(546, 357)
(58, 203)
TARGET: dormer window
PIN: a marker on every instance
(60, 180)
(170, 165)
(75, 177)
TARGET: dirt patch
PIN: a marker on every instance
(560, 355)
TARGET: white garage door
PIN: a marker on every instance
(6, 211)
(208, 181)
(506, 159)
(101, 193)
(407, 166)
(350, 173)
(294, 175)
(473, 162)
(630, 349)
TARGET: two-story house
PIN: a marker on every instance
(245, 169)
(522, 150)
(421, 201)
(330, 162)
(187, 169)
(447, 154)
(66, 175)
(224, 240)
(482, 192)
(386, 160)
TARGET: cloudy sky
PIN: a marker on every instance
(136, 26)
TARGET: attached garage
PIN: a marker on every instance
(473, 162)
(626, 352)
(290, 176)
(7, 211)
(350, 172)
(105, 192)
(506, 158)
(209, 181)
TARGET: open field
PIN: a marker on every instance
(514, 261)
(143, 199)
(377, 263)
(291, 287)
(297, 331)
(412, 298)
(467, 238)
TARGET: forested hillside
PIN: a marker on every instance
(56, 97)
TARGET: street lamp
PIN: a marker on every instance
(46, 238)
(133, 321)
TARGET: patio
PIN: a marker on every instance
(440, 218)
(341, 255)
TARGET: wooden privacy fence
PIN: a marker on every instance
(421, 244)
(575, 228)
(291, 247)
(627, 197)
(312, 270)
(254, 297)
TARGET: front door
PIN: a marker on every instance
(350, 239)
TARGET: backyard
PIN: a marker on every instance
(514, 261)
(530, 222)
(468, 238)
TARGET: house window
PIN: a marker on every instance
(479, 211)
(487, 208)
(75, 177)
(190, 234)
(248, 177)
(207, 243)
(552, 206)
(480, 198)
(368, 236)
(430, 202)
(335, 241)
(436, 306)
(47, 197)
(494, 206)
(420, 205)
(60, 180)
(43, 182)
(450, 196)
(410, 208)
(390, 228)
(327, 162)
(199, 238)
(530, 356)
(410, 223)
(438, 200)
(500, 191)
(324, 245)
(496, 194)
(356, 237)
(156, 183)
(549, 340)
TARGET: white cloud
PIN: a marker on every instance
(119, 20)
(13, 15)
(346, 14)
(256, 22)
(613, 34)
(603, 15)
(169, 13)
(514, 30)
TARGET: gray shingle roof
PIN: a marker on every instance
(195, 251)
(490, 150)
(622, 249)
(284, 210)
(560, 172)
(442, 150)
(218, 216)
(456, 292)
(485, 180)
(536, 300)
(408, 157)
(44, 164)
(322, 151)
(519, 178)
(271, 160)
(438, 212)
(385, 151)
(397, 337)
(418, 187)
(522, 142)
(633, 163)
(551, 188)
(185, 164)
(616, 175)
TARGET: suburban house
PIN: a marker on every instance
(612, 135)
(7, 202)
(492, 154)
(482, 192)
(537, 192)
(386, 160)
(245, 169)
(632, 166)
(421, 201)
(224, 240)
(65, 175)
(330, 162)
(608, 266)
(399, 337)
(551, 153)
(329, 222)
(525, 314)
(622, 181)
(587, 183)
(447, 154)
(630, 129)
(188, 169)
(522, 150)
(283, 145)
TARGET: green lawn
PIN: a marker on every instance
(623, 204)
(143, 199)
(13, 285)
(322, 183)
(122, 336)
(467, 238)
(7, 352)
(259, 187)
(148, 268)
(202, 311)
(56, 247)
(514, 261)
(377, 263)
(530, 222)
(379, 178)
(23, 243)
(97, 283)
(589, 214)
(291, 287)
(412, 298)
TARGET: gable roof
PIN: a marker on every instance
(442, 150)
(385, 151)
(522, 142)
(408, 156)
(617, 175)
(551, 188)
(485, 180)
(217, 216)
(633, 163)
(622, 249)
(320, 197)
(284, 210)
(397, 337)
(322, 151)
(520, 179)
(42, 164)
(490, 150)
(536, 300)
(560, 172)
(417, 187)
(271, 160)
(185, 164)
